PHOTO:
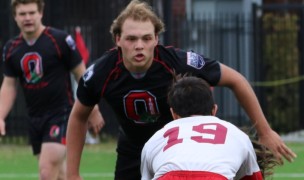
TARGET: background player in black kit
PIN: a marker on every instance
(134, 79)
(42, 59)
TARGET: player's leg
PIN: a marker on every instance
(53, 150)
(51, 161)
(62, 171)
(128, 160)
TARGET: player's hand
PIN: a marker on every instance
(276, 145)
(2, 127)
(96, 121)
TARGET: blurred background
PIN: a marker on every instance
(262, 39)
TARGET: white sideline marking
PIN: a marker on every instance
(98, 175)
(289, 175)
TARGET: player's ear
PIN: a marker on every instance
(117, 40)
(214, 110)
(174, 115)
(156, 40)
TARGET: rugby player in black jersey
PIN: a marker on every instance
(134, 78)
(41, 58)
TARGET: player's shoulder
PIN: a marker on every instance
(110, 56)
(110, 53)
(156, 138)
(105, 63)
(59, 37)
(10, 45)
(55, 32)
(13, 41)
(161, 49)
(236, 131)
(228, 124)
(171, 53)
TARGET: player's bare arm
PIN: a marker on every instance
(248, 100)
(76, 132)
(8, 95)
(96, 120)
(78, 71)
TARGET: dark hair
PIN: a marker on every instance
(265, 158)
(138, 11)
(14, 3)
(190, 95)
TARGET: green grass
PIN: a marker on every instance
(294, 170)
(98, 162)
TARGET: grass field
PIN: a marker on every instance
(17, 162)
(98, 161)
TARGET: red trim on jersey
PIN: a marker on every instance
(113, 48)
(115, 72)
(54, 41)
(69, 90)
(254, 176)
(63, 140)
(14, 44)
(193, 175)
(156, 58)
(169, 46)
(119, 56)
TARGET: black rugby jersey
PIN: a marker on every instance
(43, 69)
(141, 104)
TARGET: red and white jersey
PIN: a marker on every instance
(200, 143)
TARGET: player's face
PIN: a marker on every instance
(28, 18)
(137, 42)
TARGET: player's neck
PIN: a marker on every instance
(32, 37)
(138, 75)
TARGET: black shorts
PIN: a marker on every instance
(128, 159)
(48, 128)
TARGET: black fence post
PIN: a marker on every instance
(168, 21)
(301, 68)
(257, 62)
(56, 13)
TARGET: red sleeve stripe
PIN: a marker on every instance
(14, 44)
(156, 59)
(54, 41)
(114, 73)
(69, 90)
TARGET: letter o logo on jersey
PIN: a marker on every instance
(31, 64)
(141, 106)
(54, 132)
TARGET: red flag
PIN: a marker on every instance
(83, 50)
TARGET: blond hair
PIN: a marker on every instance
(138, 11)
